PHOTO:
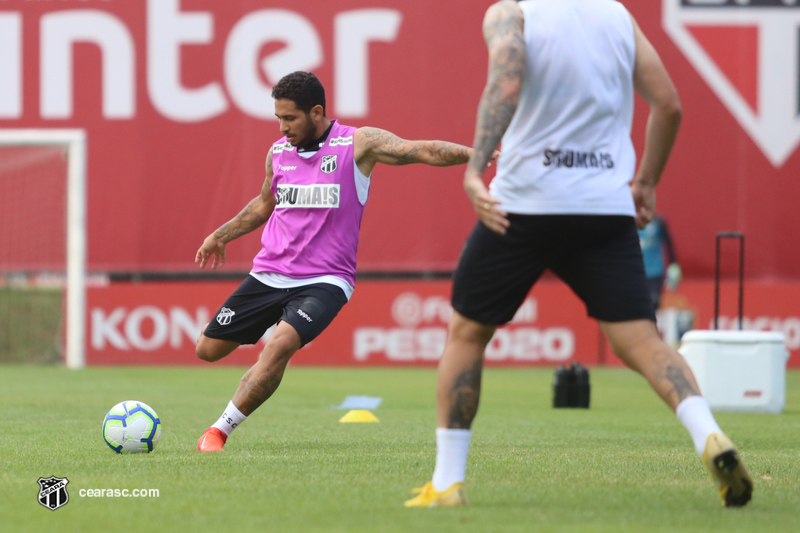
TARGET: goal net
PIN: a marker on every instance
(42, 246)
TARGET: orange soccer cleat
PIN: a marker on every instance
(212, 440)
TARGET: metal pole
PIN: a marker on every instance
(740, 237)
(741, 279)
(716, 284)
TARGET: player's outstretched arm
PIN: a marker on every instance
(374, 145)
(253, 216)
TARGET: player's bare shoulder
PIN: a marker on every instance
(268, 163)
(268, 170)
(502, 19)
(363, 138)
(367, 139)
(377, 145)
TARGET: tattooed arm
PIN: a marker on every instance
(373, 145)
(254, 214)
(503, 33)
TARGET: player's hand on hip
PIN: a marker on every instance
(211, 248)
(485, 205)
(644, 200)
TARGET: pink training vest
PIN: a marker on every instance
(315, 226)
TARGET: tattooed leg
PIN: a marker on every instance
(466, 392)
(459, 377)
(680, 382)
(638, 344)
(263, 378)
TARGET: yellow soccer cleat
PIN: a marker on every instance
(727, 469)
(428, 497)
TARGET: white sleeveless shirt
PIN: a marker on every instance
(568, 148)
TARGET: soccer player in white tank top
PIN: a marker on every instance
(559, 95)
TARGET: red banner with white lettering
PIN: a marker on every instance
(175, 98)
(405, 323)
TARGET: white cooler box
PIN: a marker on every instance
(738, 370)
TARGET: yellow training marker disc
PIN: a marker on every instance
(359, 415)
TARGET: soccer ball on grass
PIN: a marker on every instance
(131, 427)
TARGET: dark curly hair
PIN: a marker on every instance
(302, 88)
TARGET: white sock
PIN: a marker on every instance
(230, 419)
(696, 417)
(452, 446)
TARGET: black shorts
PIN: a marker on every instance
(254, 307)
(598, 256)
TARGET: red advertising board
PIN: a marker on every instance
(403, 323)
(175, 98)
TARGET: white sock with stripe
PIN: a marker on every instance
(230, 419)
(695, 415)
(452, 446)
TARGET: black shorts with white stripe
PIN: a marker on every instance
(254, 307)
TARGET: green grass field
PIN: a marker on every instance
(624, 465)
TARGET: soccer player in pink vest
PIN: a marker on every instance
(313, 197)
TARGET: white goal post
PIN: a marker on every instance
(74, 141)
